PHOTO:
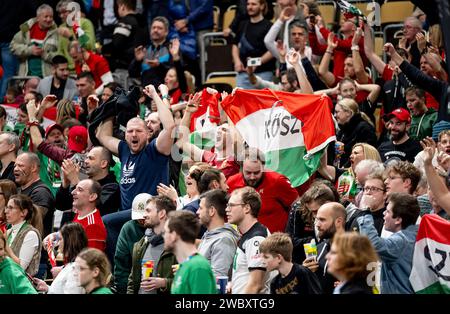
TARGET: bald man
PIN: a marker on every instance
(330, 219)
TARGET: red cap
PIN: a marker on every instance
(53, 126)
(400, 113)
(78, 137)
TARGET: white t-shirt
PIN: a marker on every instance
(248, 258)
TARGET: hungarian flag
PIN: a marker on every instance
(205, 119)
(430, 272)
(290, 129)
(11, 113)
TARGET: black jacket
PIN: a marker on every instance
(109, 197)
(121, 105)
(356, 286)
(357, 130)
(123, 43)
(437, 88)
(300, 232)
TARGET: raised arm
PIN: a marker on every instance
(305, 86)
(164, 141)
(191, 150)
(372, 89)
(438, 187)
(376, 61)
(324, 72)
(360, 72)
(35, 134)
(104, 135)
(271, 36)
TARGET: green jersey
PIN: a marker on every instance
(194, 277)
(101, 290)
(13, 279)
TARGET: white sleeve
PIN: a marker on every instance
(29, 246)
(271, 36)
(254, 258)
(106, 78)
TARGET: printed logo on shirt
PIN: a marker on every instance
(128, 169)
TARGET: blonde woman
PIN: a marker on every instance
(353, 261)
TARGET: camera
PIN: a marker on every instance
(253, 62)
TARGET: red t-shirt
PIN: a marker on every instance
(228, 166)
(95, 229)
(98, 65)
(277, 196)
(36, 33)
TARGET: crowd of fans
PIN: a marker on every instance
(96, 200)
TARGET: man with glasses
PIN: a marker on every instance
(401, 177)
(400, 147)
(412, 26)
(374, 199)
(249, 269)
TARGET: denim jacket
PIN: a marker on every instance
(396, 254)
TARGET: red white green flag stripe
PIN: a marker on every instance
(291, 129)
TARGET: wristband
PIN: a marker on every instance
(165, 97)
(355, 48)
(330, 52)
(33, 122)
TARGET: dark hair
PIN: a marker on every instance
(207, 178)
(105, 154)
(217, 199)
(59, 59)
(96, 258)
(95, 188)
(87, 75)
(74, 240)
(34, 217)
(8, 188)
(254, 154)
(130, 4)
(163, 202)
(406, 207)
(112, 86)
(23, 107)
(185, 224)
(416, 91)
(2, 112)
(250, 197)
(70, 123)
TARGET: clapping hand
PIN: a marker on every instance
(429, 148)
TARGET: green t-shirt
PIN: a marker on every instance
(101, 290)
(13, 279)
(194, 277)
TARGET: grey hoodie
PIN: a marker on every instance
(218, 246)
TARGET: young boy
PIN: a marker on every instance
(293, 278)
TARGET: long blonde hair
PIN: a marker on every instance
(350, 105)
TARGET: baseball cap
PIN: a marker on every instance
(77, 138)
(53, 126)
(138, 205)
(401, 114)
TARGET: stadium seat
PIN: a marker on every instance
(215, 55)
(221, 82)
(216, 18)
(228, 16)
(396, 12)
(327, 10)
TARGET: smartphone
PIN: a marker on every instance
(253, 62)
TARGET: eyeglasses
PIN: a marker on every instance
(373, 189)
(235, 204)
